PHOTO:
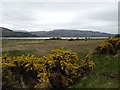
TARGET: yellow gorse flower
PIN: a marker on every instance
(60, 63)
(109, 46)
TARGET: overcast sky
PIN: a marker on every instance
(46, 16)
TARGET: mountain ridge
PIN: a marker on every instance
(54, 33)
(10, 33)
(70, 33)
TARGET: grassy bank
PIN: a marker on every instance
(105, 74)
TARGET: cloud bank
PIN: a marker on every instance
(45, 16)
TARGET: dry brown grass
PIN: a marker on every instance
(45, 46)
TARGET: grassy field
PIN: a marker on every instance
(105, 74)
(43, 47)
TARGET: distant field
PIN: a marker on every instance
(105, 74)
(42, 47)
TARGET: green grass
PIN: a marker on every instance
(104, 75)
(22, 52)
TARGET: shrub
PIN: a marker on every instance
(77, 38)
(63, 64)
(26, 67)
(56, 38)
(109, 46)
(87, 65)
(56, 70)
(71, 39)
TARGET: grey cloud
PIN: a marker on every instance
(96, 16)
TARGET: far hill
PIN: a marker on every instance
(70, 33)
(10, 33)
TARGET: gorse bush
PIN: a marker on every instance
(62, 64)
(86, 65)
(109, 46)
(56, 70)
(27, 67)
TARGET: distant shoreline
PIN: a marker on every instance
(52, 37)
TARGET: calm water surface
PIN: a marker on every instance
(50, 37)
